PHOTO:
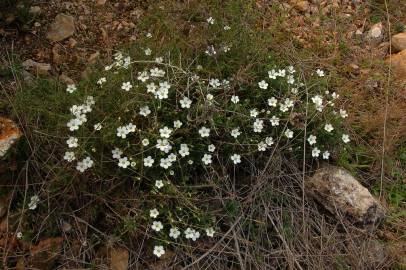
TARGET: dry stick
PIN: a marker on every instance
(215, 245)
(282, 238)
(237, 247)
(386, 101)
(304, 165)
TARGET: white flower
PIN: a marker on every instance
(163, 145)
(102, 80)
(145, 142)
(165, 163)
(235, 132)
(253, 113)
(274, 121)
(214, 83)
(177, 124)
(185, 103)
(153, 213)
(211, 148)
(69, 156)
(210, 20)
(320, 72)
(236, 158)
(192, 234)
(172, 157)
(33, 202)
(145, 111)
(343, 113)
(235, 99)
(72, 142)
(290, 79)
(74, 124)
(226, 28)
(210, 232)
(272, 102)
(133, 164)
(263, 84)
(174, 233)
(151, 88)
(258, 125)
(147, 51)
(184, 150)
(126, 86)
(19, 235)
(262, 146)
(328, 128)
(204, 132)
(165, 132)
(85, 164)
(159, 59)
(210, 50)
(148, 161)
(209, 97)
(159, 251)
(117, 153)
(272, 74)
(289, 133)
(71, 88)
(156, 72)
(345, 138)
(318, 101)
(326, 155)
(164, 85)
(190, 162)
(97, 126)
(122, 132)
(206, 159)
(315, 152)
(143, 76)
(159, 184)
(157, 226)
(123, 162)
(312, 139)
(269, 141)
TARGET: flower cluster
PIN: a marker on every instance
(165, 123)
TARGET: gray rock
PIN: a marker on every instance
(375, 33)
(342, 195)
(63, 27)
(36, 67)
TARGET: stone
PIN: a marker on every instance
(398, 64)
(36, 67)
(399, 42)
(35, 10)
(342, 195)
(93, 57)
(65, 79)
(100, 2)
(301, 6)
(375, 33)
(9, 134)
(63, 27)
(72, 42)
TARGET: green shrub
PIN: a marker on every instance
(174, 120)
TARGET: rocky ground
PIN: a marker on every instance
(361, 41)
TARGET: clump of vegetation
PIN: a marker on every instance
(175, 122)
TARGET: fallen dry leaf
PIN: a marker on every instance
(44, 255)
(118, 258)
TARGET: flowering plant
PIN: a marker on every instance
(166, 124)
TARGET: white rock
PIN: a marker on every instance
(342, 195)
